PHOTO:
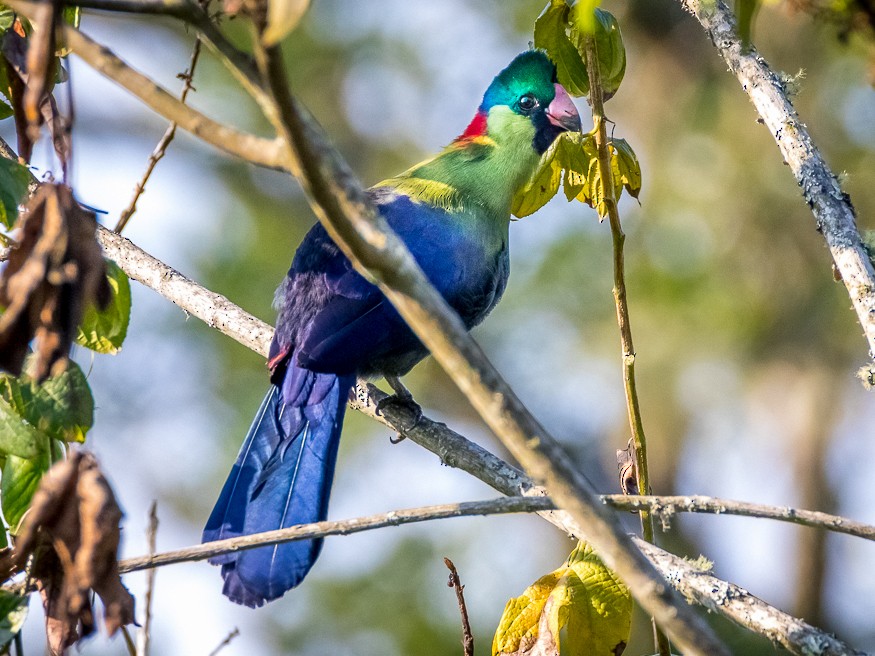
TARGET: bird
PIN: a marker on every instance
(452, 212)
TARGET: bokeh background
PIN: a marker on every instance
(747, 347)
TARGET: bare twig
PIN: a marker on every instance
(668, 506)
(161, 147)
(226, 641)
(144, 634)
(129, 641)
(364, 236)
(327, 528)
(456, 584)
(832, 209)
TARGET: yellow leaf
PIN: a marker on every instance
(282, 17)
(584, 597)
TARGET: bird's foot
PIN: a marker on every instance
(402, 399)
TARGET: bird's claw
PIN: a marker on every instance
(403, 402)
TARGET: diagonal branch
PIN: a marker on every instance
(832, 209)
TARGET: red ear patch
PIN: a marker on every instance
(476, 128)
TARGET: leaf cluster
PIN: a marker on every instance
(572, 163)
(583, 597)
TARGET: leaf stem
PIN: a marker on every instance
(600, 134)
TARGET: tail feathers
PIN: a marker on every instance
(282, 477)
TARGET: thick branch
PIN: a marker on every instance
(833, 212)
(741, 606)
(213, 309)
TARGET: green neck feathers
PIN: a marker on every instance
(476, 173)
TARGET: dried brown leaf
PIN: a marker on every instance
(32, 65)
(72, 529)
(56, 269)
(14, 50)
(628, 469)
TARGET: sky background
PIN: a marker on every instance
(746, 347)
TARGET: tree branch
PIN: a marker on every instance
(500, 506)
(327, 528)
(161, 148)
(745, 609)
(257, 150)
(213, 309)
(832, 209)
(618, 238)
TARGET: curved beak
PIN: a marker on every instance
(561, 112)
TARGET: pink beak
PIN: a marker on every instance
(561, 112)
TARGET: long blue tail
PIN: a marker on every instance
(282, 477)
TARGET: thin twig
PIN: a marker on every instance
(364, 236)
(256, 150)
(633, 408)
(327, 528)
(831, 206)
(456, 584)
(144, 634)
(161, 148)
(129, 641)
(668, 505)
(226, 641)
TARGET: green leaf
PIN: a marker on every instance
(627, 168)
(72, 16)
(17, 436)
(21, 478)
(585, 11)
(14, 179)
(61, 408)
(571, 152)
(283, 16)
(5, 110)
(13, 611)
(105, 330)
(584, 597)
(7, 17)
(551, 34)
(589, 20)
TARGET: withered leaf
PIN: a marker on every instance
(56, 269)
(628, 469)
(31, 68)
(72, 531)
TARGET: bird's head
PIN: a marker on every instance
(525, 101)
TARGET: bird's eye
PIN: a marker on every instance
(527, 103)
